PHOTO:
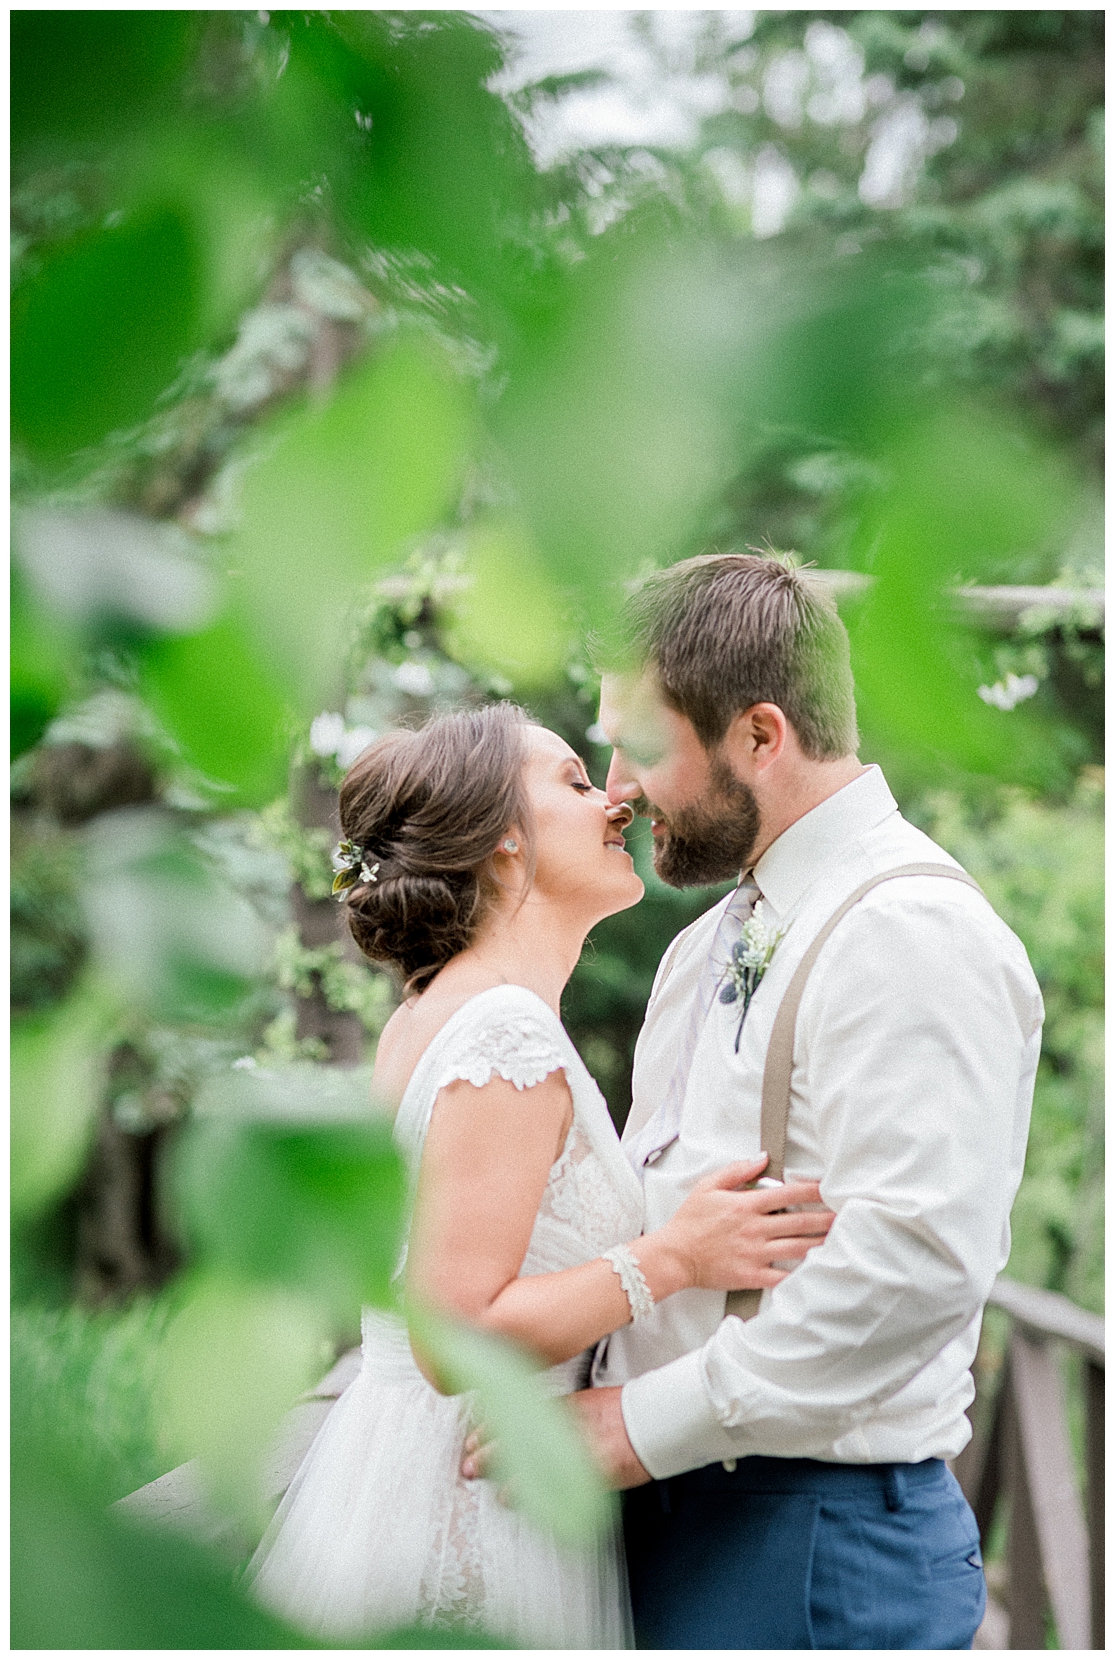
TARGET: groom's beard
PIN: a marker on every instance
(711, 840)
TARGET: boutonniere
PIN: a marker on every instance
(749, 961)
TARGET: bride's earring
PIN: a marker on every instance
(510, 845)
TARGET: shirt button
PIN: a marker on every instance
(729, 1464)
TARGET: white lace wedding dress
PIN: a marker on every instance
(378, 1529)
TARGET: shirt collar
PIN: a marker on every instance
(792, 862)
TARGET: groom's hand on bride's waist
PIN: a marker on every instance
(601, 1420)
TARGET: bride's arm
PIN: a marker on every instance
(485, 1163)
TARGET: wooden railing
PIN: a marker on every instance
(1020, 1457)
(1001, 610)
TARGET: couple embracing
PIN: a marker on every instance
(764, 1302)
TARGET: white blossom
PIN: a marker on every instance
(1016, 688)
(354, 742)
(327, 733)
(414, 678)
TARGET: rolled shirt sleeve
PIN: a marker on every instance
(916, 1050)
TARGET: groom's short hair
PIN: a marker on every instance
(725, 631)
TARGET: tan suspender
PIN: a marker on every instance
(779, 1066)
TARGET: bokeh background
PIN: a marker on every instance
(359, 359)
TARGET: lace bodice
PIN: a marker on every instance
(593, 1199)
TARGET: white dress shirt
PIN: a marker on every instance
(917, 1045)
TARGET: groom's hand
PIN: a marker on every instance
(601, 1420)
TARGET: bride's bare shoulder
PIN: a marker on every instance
(397, 1054)
(407, 1034)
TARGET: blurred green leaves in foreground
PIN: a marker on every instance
(57, 1078)
(339, 488)
(299, 324)
(537, 1456)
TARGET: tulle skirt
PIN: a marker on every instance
(379, 1530)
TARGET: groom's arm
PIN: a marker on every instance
(919, 1046)
(600, 1412)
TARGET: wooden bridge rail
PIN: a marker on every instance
(1021, 1454)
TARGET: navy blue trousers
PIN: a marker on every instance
(793, 1553)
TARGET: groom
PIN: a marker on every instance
(786, 1473)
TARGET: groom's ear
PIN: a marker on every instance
(755, 739)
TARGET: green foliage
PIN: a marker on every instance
(506, 576)
(963, 490)
(317, 1209)
(47, 939)
(1041, 865)
(72, 384)
(58, 1064)
(84, 1381)
(173, 939)
(234, 1359)
(305, 850)
(347, 986)
(86, 1579)
(337, 491)
(40, 668)
(83, 1435)
(95, 72)
(186, 677)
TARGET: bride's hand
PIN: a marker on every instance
(728, 1240)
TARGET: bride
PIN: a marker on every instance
(478, 856)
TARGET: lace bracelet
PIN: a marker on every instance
(631, 1277)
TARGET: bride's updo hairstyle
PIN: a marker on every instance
(430, 809)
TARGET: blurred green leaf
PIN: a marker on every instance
(621, 412)
(538, 1450)
(438, 163)
(510, 619)
(100, 330)
(842, 339)
(85, 75)
(963, 488)
(42, 653)
(173, 939)
(83, 1579)
(202, 172)
(337, 491)
(234, 1358)
(317, 1208)
(57, 1081)
(226, 703)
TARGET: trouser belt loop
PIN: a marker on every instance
(664, 1497)
(894, 1486)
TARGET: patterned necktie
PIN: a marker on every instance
(663, 1128)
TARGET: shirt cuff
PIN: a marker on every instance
(670, 1421)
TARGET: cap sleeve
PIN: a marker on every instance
(517, 1038)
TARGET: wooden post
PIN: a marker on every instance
(983, 1478)
(1027, 1600)
(979, 1470)
(1094, 1457)
(1051, 1505)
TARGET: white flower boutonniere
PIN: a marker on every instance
(750, 959)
